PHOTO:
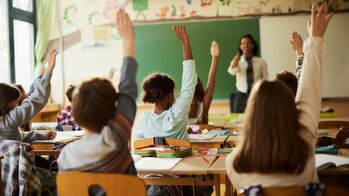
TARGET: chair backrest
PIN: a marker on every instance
(169, 141)
(332, 124)
(341, 136)
(79, 183)
(299, 191)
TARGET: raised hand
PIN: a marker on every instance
(126, 32)
(111, 73)
(181, 33)
(214, 49)
(52, 60)
(124, 26)
(318, 23)
(297, 43)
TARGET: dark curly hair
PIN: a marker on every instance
(157, 86)
(289, 79)
(8, 93)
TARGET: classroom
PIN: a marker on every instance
(174, 97)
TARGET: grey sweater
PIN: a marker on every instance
(22, 114)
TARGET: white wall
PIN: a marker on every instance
(277, 51)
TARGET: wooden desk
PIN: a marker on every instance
(196, 170)
(48, 113)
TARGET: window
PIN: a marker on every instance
(21, 31)
(4, 44)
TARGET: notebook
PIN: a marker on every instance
(153, 163)
(324, 161)
(213, 152)
(206, 136)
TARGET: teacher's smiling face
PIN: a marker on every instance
(246, 45)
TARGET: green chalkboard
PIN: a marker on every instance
(159, 50)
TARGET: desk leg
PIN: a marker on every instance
(228, 191)
(217, 184)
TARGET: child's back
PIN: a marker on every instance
(168, 119)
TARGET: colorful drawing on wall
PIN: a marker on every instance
(174, 10)
(206, 3)
(93, 18)
(98, 36)
(225, 2)
(69, 14)
(111, 7)
(163, 11)
(140, 6)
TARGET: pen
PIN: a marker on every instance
(206, 161)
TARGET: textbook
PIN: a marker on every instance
(222, 152)
(323, 161)
(163, 151)
(156, 164)
(205, 136)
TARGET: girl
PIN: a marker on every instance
(200, 105)
(12, 116)
(169, 118)
(248, 70)
(277, 148)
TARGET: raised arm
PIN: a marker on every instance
(297, 45)
(211, 81)
(128, 86)
(234, 65)
(308, 98)
(189, 78)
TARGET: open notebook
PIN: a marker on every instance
(324, 161)
(153, 163)
(63, 136)
(205, 136)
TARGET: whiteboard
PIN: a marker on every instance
(276, 49)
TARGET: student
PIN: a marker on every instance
(277, 148)
(289, 79)
(248, 69)
(106, 116)
(13, 115)
(24, 95)
(169, 118)
(65, 116)
(198, 113)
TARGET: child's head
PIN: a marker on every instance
(94, 104)
(248, 45)
(158, 87)
(271, 142)
(289, 79)
(9, 97)
(69, 92)
(23, 93)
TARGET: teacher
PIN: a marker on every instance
(248, 69)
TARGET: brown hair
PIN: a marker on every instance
(8, 93)
(289, 79)
(271, 142)
(69, 92)
(94, 104)
(157, 86)
(197, 99)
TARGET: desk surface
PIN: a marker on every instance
(217, 139)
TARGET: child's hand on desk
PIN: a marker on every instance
(50, 135)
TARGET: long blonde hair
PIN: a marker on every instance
(271, 142)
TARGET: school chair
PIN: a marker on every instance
(294, 191)
(81, 183)
(342, 138)
(163, 141)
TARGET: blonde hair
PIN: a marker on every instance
(271, 142)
